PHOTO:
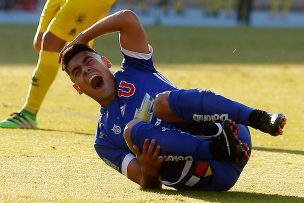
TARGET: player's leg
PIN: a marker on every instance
(50, 10)
(223, 175)
(199, 105)
(26, 118)
(37, 41)
(60, 22)
(73, 17)
(224, 146)
(227, 174)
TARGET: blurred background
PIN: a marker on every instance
(181, 31)
(183, 12)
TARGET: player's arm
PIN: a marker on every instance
(144, 170)
(141, 170)
(131, 32)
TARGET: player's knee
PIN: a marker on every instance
(161, 105)
(37, 41)
(37, 45)
(127, 133)
(52, 43)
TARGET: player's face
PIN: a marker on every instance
(91, 75)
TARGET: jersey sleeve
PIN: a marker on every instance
(118, 159)
(136, 60)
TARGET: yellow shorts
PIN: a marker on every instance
(67, 18)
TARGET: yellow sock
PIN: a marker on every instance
(43, 76)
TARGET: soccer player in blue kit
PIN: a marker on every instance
(149, 130)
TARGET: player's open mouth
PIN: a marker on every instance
(96, 81)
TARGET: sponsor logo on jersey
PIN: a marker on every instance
(164, 129)
(80, 18)
(73, 31)
(213, 117)
(101, 135)
(122, 110)
(126, 89)
(116, 129)
(158, 122)
(144, 113)
(179, 158)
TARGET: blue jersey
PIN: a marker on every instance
(138, 83)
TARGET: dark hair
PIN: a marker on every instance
(71, 51)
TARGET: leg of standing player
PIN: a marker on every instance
(60, 22)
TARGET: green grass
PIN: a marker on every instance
(182, 45)
(57, 163)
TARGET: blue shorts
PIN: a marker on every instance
(183, 145)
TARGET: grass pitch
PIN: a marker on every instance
(187, 45)
(57, 163)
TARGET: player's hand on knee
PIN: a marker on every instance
(149, 158)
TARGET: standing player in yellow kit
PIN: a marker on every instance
(60, 22)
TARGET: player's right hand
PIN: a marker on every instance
(149, 158)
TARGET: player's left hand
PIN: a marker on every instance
(149, 158)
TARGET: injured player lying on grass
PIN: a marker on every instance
(164, 142)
